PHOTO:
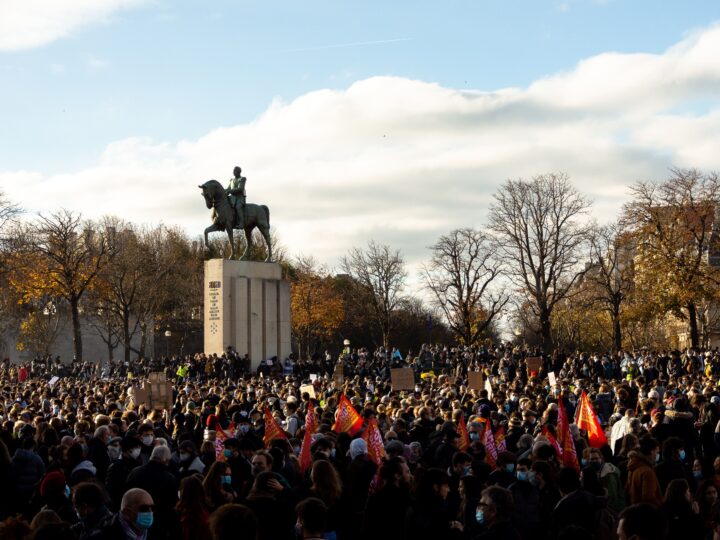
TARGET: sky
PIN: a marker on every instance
(391, 121)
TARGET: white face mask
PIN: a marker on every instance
(147, 440)
(135, 453)
(113, 452)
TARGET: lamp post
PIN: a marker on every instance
(168, 335)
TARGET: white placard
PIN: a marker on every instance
(552, 379)
(309, 388)
(313, 377)
(53, 381)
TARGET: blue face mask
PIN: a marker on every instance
(144, 520)
(522, 476)
(67, 491)
(227, 479)
(480, 516)
(510, 467)
(467, 471)
(657, 457)
(697, 475)
(681, 455)
(474, 436)
(227, 453)
(584, 462)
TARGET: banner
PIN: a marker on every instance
(272, 428)
(464, 435)
(347, 419)
(373, 439)
(402, 378)
(587, 420)
(500, 440)
(569, 456)
(311, 425)
(490, 449)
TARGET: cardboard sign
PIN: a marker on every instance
(402, 379)
(309, 388)
(313, 377)
(339, 374)
(475, 380)
(534, 363)
(552, 379)
(53, 381)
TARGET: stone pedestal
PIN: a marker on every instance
(247, 307)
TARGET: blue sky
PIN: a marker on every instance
(173, 70)
(393, 121)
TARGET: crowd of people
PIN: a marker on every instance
(277, 453)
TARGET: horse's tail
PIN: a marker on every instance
(267, 213)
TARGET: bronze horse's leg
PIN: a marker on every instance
(232, 244)
(248, 243)
(212, 228)
(265, 231)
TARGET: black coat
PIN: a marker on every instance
(162, 487)
(385, 513)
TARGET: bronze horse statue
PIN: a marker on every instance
(225, 218)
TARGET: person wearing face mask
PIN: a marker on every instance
(384, 517)
(114, 451)
(147, 437)
(98, 451)
(505, 473)
(672, 465)
(120, 469)
(642, 484)
(132, 522)
(526, 512)
(90, 504)
(494, 512)
(610, 478)
(188, 461)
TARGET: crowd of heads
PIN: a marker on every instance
(82, 457)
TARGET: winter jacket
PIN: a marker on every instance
(642, 483)
(610, 479)
(29, 469)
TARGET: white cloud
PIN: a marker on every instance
(403, 161)
(97, 64)
(25, 24)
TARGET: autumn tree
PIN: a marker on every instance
(459, 276)
(317, 307)
(62, 257)
(673, 223)
(539, 235)
(381, 272)
(610, 276)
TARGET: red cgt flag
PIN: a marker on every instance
(464, 435)
(311, 425)
(347, 419)
(553, 441)
(500, 440)
(373, 439)
(587, 420)
(490, 449)
(272, 429)
(569, 456)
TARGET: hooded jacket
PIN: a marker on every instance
(642, 483)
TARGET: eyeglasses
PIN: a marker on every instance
(146, 508)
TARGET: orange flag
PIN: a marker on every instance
(464, 435)
(587, 420)
(490, 449)
(374, 440)
(500, 440)
(569, 456)
(311, 425)
(272, 429)
(347, 418)
(553, 441)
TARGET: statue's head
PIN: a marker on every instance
(237, 171)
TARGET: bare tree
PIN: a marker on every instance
(675, 229)
(65, 256)
(610, 273)
(537, 233)
(460, 272)
(381, 271)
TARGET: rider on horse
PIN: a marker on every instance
(236, 194)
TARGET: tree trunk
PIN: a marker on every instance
(546, 332)
(692, 320)
(143, 339)
(77, 334)
(617, 330)
(126, 333)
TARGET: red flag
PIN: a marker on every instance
(220, 437)
(272, 428)
(500, 440)
(553, 441)
(587, 420)
(490, 449)
(464, 435)
(569, 456)
(311, 425)
(373, 439)
(347, 418)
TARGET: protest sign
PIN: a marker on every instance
(339, 374)
(53, 381)
(475, 380)
(552, 379)
(534, 363)
(309, 388)
(402, 379)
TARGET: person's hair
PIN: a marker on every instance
(502, 500)
(268, 457)
(544, 468)
(213, 477)
(629, 442)
(312, 512)
(192, 504)
(672, 445)
(89, 493)
(675, 491)
(644, 521)
(43, 517)
(326, 482)
(591, 482)
(53, 531)
(461, 457)
(161, 454)
(647, 444)
(227, 520)
(391, 467)
(472, 485)
(427, 480)
(4, 454)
